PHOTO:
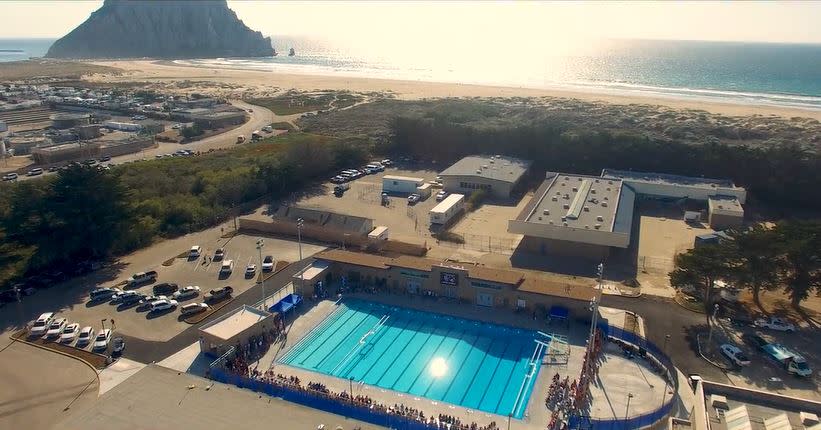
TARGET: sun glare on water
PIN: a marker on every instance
(438, 367)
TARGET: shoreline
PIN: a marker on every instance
(256, 80)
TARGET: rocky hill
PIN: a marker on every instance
(162, 29)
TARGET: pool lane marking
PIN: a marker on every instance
(447, 360)
(313, 334)
(435, 329)
(399, 354)
(432, 354)
(302, 362)
(486, 350)
(389, 344)
(453, 375)
(360, 345)
(461, 402)
(510, 375)
(379, 381)
(346, 336)
(527, 380)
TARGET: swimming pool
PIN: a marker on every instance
(468, 363)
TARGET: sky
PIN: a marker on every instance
(425, 24)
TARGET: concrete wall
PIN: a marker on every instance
(723, 222)
(127, 147)
(541, 246)
(497, 189)
(570, 234)
(772, 400)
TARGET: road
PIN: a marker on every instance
(259, 117)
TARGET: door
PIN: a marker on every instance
(413, 286)
(450, 291)
(484, 299)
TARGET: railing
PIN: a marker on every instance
(651, 351)
(321, 401)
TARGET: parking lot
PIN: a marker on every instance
(406, 222)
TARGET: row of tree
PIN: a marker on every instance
(86, 214)
(759, 258)
(781, 175)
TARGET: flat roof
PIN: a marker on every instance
(317, 268)
(448, 203)
(761, 407)
(402, 178)
(664, 178)
(233, 323)
(495, 167)
(577, 201)
(377, 231)
(725, 205)
(160, 398)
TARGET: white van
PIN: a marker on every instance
(227, 267)
(195, 251)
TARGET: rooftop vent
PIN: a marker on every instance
(563, 184)
(593, 191)
(579, 179)
(478, 171)
(597, 181)
(566, 206)
(606, 198)
(599, 218)
(575, 189)
(604, 204)
(586, 209)
(546, 212)
(587, 226)
(567, 196)
(550, 221)
(484, 166)
(610, 182)
(540, 218)
(492, 161)
(608, 188)
(597, 226)
(564, 223)
(555, 199)
(567, 178)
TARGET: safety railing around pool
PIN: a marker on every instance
(652, 352)
(318, 400)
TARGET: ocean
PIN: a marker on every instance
(746, 73)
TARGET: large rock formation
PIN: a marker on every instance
(162, 29)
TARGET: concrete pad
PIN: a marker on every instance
(118, 372)
(188, 359)
(620, 378)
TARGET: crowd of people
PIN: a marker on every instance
(252, 350)
(440, 422)
(567, 398)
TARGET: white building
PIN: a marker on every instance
(497, 175)
(675, 186)
(400, 184)
(448, 208)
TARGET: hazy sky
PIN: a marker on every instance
(511, 22)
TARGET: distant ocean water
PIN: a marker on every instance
(746, 73)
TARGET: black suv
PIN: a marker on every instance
(165, 289)
(754, 340)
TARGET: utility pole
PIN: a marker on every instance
(299, 224)
(260, 277)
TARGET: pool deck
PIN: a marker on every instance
(618, 375)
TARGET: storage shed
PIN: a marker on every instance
(444, 212)
(400, 184)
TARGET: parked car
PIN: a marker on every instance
(124, 296)
(85, 336)
(145, 302)
(140, 278)
(165, 288)
(195, 252)
(56, 327)
(441, 196)
(187, 292)
(227, 267)
(117, 346)
(754, 340)
(161, 305)
(131, 299)
(250, 271)
(193, 308)
(35, 172)
(775, 323)
(219, 254)
(220, 293)
(735, 355)
(268, 263)
(338, 179)
(41, 324)
(101, 341)
(386, 162)
(104, 159)
(69, 333)
(414, 199)
(10, 176)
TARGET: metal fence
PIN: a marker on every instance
(320, 401)
(652, 352)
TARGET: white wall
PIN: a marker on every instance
(681, 191)
(570, 234)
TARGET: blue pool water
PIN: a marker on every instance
(468, 363)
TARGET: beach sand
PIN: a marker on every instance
(256, 81)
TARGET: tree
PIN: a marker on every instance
(755, 259)
(700, 268)
(801, 241)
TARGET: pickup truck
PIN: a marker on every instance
(142, 278)
(219, 294)
(793, 363)
(774, 323)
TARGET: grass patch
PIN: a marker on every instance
(282, 125)
(449, 236)
(294, 103)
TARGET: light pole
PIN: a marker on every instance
(594, 306)
(710, 323)
(261, 278)
(102, 321)
(627, 411)
(299, 223)
(666, 377)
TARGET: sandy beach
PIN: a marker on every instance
(263, 81)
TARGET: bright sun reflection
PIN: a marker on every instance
(438, 367)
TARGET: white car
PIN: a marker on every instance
(250, 270)
(775, 323)
(195, 251)
(41, 325)
(414, 198)
(268, 263)
(441, 196)
(161, 305)
(85, 336)
(187, 292)
(69, 333)
(101, 341)
(193, 308)
(120, 296)
(735, 354)
(56, 327)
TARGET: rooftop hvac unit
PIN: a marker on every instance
(555, 199)
(478, 171)
(597, 181)
(610, 182)
(586, 209)
(587, 226)
(492, 161)
(580, 179)
(597, 226)
(575, 189)
(546, 212)
(567, 196)
(484, 166)
(566, 206)
(599, 218)
(540, 218)
(606, 198)
(564, 223)
(604, 204)
(566, 178)
(562, 183)
(593, 191)
(550, 221)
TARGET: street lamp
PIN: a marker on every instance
(710, 323)
(666, 377)
(627, 412)
(261, 278)
(299, 224)
(103, 322)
